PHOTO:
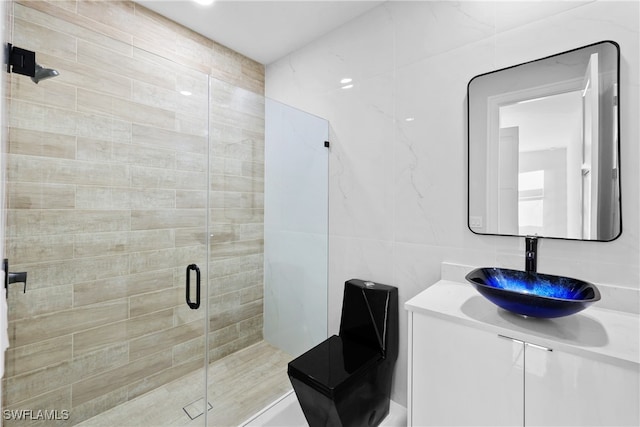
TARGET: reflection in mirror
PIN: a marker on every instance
(543, 147)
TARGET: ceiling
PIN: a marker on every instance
(262, 30)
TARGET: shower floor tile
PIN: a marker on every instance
(239, 386)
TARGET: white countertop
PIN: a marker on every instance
(607, 335)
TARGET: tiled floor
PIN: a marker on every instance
(239, 386)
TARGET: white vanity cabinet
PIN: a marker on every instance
(472, 364)
(464, 376)
(563, 389)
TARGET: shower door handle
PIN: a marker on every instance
(193, 305)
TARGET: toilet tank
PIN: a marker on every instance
(370, 316)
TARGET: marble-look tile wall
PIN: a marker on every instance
(111, 173)
(398, 171)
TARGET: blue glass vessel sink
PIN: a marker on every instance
(533, 294)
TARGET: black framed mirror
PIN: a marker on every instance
(544, 147)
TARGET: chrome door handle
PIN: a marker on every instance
(511, 339)
(539, 347)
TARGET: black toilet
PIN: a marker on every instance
(346, 379)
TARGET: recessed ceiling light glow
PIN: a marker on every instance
(185, 93)
(347, 86)
(409, 119)
(346, 80)
(204, 2)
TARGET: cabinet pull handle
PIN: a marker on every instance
(511, 339)
(539, 347)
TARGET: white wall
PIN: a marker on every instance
(397, 188)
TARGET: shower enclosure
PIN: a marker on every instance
(135, 203)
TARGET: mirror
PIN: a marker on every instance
(543, 140)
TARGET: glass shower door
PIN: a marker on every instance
(264, 261)
(296, 228)
(107, 179)
(240, 361)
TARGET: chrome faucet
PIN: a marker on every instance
(530, 254)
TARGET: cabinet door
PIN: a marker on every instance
(464, 376)
(563, 389)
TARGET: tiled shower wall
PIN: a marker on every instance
(107, 199)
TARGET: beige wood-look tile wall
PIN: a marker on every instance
(107, 201)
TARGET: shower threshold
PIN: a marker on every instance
(286, 412)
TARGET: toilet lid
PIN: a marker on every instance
(333, 364)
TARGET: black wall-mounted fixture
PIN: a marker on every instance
(20, 61)
(531, 254)
(10, 278)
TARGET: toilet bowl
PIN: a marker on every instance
(346, 379)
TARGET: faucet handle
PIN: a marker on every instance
(9, 278)
(20, 277)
